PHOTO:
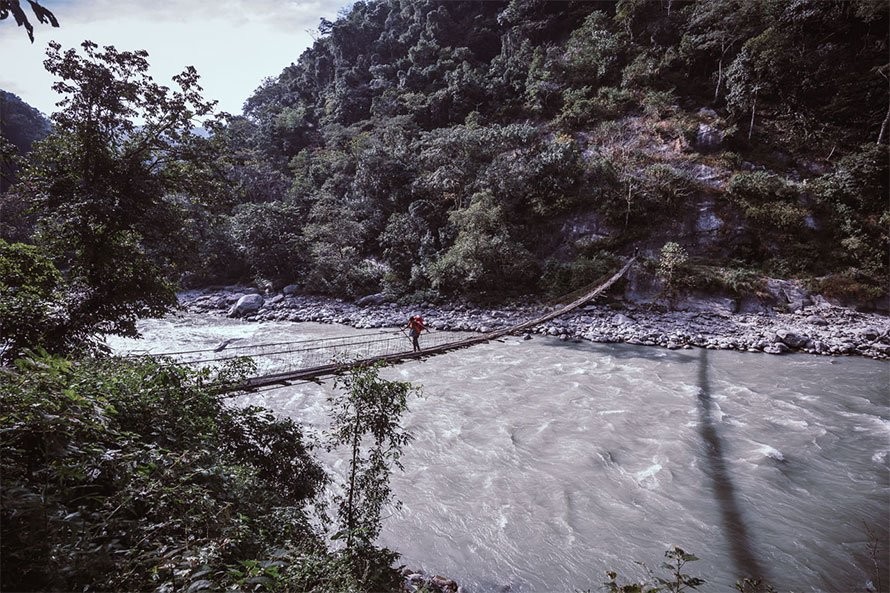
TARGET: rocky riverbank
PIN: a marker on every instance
(819, 328)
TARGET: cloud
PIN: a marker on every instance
(234, 44)
(284, 15)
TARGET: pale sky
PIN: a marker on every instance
(233, 44)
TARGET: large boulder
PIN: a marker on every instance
(788, 295)
(777, 348)
(249, 303)
(870, 333)
(816, 320)
(707, 221)
(707, 304)
(371, 299)
(290, 289)
(708, 138)
(791, 339)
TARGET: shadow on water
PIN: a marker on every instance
(623, 351)
(746, 564)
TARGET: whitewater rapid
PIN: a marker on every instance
(537, 465)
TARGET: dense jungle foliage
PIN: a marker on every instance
(447, 148)
(431, 149)
(137, 476)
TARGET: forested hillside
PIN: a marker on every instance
(500, 147)
(431, 149)
(20, 125)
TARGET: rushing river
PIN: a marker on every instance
(537, 465)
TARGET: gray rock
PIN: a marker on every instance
(707, 222)
(881, 349)
(777, 348)
(620, 319)
(443, 583)
(275, 299)
(246, 305)
(816, 320)
(870, 333)
(708, 137)
(707, 305)
(290, 289)
(846, 348)
(707, 113)
(788, 294)
(791, 339)
(371, 300)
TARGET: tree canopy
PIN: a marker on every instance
(402, 113)
(464, 148)
(104, 189)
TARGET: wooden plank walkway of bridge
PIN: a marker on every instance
(334, 368)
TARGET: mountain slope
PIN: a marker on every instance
(21, 125)
(512, 147)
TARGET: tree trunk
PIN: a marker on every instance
(719, 79)
(627, 214)
(353, 469)
(884, 126)
(753, 109)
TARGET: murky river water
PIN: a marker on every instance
(537, 465)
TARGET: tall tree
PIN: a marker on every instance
(103, 186)
(366, 417)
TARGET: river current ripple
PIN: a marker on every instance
(537, 465)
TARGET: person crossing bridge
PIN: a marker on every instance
(415, 327)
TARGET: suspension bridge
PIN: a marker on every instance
(284, 363)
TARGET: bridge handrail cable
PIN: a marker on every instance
(258, 346)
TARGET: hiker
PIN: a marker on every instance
(415, 326)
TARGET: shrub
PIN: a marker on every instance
(666, 188)
(31, 307)
(676, 581)
(593, 52)
(270, 237)
(578, 109)
(659, 104)
(760, 187)
(769, 202)
(790, 218)
(736, 280)
(561, 278)
(673, 258)
(849, 286)
(340, 270)
(484, 256)
(133, 475)
(855, 198)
